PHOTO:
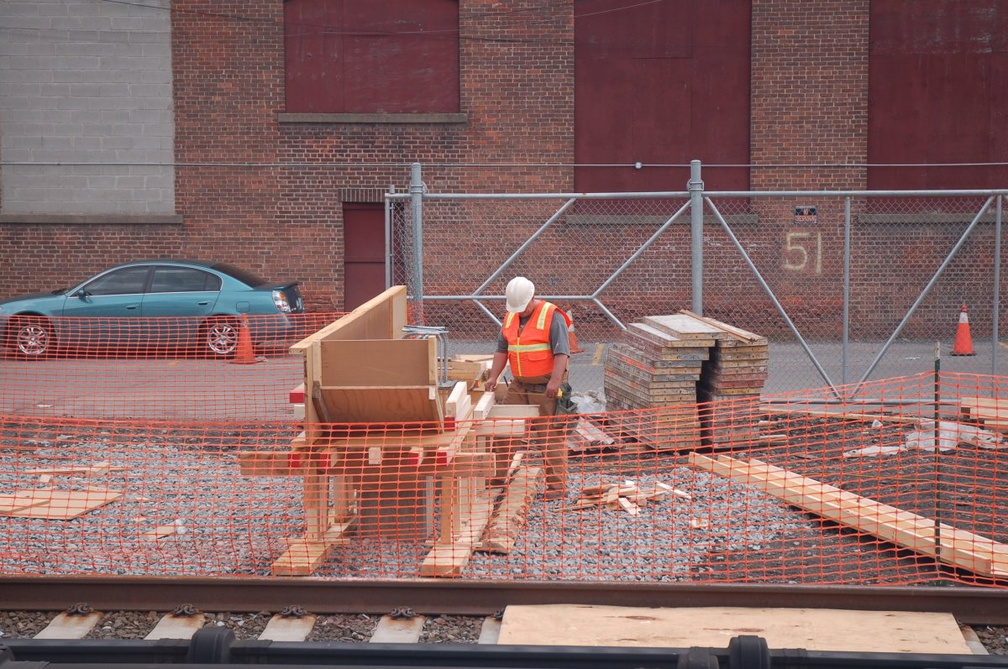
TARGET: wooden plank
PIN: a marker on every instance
(587, 436)
(281, 628)
(391, 404)
(837, 414)
(64, 504)
(379, 362)
(511, 515)
(730, 329)
(445, 560)
(513, 411)
(638, 338)
(960, 548)
(381, 317)
(668, 340)
(18, 501)
(483, 406)
(685, 328)
(811, 629)
(460, 533)
(304, 555)
(458, 402)
(67, 626)
(94, 470)
(398, 630)
(638, 358)
(162, 531)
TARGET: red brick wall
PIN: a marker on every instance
(266, 195)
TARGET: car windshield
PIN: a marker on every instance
(245, 277)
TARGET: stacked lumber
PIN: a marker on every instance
(681, 360)
(628, 496)
(736, 371)
(650, 368)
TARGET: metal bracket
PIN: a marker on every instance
(441, 335)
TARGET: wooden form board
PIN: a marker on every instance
(378, 362)
(361, 350)
(381, 317)
(368, 404)
(56, 504)
(811, 629)
(960, 548)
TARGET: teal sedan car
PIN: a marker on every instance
(153, 305)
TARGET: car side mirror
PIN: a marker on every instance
(82, 293)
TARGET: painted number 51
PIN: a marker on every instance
(802, 249)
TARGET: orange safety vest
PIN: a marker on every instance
(529, 351)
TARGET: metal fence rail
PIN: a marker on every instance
(848, 285)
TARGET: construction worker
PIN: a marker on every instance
(534, 340)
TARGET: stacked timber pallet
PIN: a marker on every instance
(731, 383)
(652, 369)
(674, 362)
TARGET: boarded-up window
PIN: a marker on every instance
(661, 83)
(938, 93)
(371, 56)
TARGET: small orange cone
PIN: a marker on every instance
(963, 341)
(571, 336)
(244, 355)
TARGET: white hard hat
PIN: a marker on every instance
(519, 293)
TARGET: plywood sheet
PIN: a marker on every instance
(381, 317)
(393, 404)
(379, 362)
(811, 629)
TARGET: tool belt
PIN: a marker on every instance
(565, 403)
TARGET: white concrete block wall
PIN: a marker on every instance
(86, 124)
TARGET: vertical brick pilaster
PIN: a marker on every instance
(809, 92)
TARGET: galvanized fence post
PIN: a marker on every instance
(996, 329)
(416, 203)
(695, 187)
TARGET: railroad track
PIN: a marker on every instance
(170, 620)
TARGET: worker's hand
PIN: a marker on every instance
(490, 385)
(553, 388)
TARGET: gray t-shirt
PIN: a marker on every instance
(559, 341)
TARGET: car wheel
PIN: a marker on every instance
(221, 337)
(31, 336)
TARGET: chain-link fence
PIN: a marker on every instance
(846, 285)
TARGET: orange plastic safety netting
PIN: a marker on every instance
(897, 482)
(153, 368)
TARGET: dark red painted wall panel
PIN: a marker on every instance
(387, 56)
(938, 76)
(660, 83)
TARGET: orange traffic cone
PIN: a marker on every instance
(571, 336)
(963, 341)
(244, 355)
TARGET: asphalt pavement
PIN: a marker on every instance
(215, 390)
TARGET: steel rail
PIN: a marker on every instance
(969, 604)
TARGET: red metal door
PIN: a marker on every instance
(363, 253)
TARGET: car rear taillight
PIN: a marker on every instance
(280, 300)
